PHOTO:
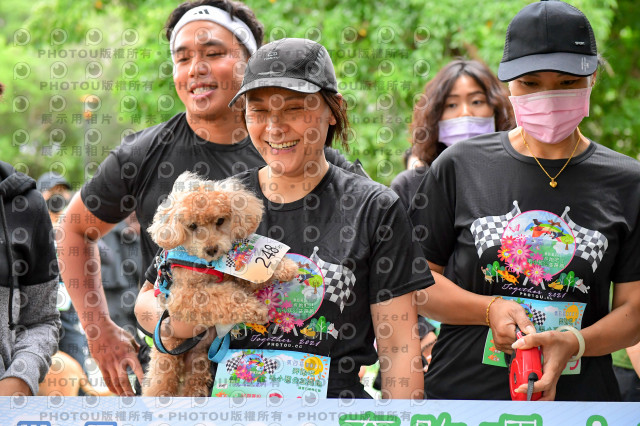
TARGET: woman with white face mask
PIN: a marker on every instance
(538, 221)
(463, 100)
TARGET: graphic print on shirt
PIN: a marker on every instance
(535, 247)
(534, 251)
(545, 315)
(292, 303)
(271, 373)
(339, 280)
(290, 354)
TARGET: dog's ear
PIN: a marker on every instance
(167, 230)
(246, 210)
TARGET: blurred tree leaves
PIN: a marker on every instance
(383, 52)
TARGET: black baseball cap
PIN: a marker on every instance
(51, 179)
(549, 36)
(296, 64)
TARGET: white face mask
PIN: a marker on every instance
(461, 128)
(551, 116)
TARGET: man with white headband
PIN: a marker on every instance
(208, 13)
(210, 41)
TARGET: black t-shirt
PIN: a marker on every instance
(406, 183)
(139, 174)
(358, 233)
(554, 250)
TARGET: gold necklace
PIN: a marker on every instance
(553, 182)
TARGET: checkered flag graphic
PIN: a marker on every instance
(237, 245)
(233, 363)
(339, 280)
(590, 245)
(270, 364)
(539, 317)
(487, 231)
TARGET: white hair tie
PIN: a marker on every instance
(218, 16)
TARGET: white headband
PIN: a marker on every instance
(220, 17)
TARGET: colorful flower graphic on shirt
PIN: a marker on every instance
(270, 296)
(535, 274)
(504, 253)
(537, 244)
(536, 247)
(287, 321)
(520, 251)
(507, 241)
(291, 303)
(518, 267)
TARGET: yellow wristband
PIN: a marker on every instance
(580, 338)
(489, 307)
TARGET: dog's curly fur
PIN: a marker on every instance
(205, 217)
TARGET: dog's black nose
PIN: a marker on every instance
(211, 251)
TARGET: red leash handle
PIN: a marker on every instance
(525, 369)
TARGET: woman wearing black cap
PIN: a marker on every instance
(539, 220)
(351, 229)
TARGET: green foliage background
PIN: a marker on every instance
(384, 53)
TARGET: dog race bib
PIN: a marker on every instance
(253, 259)
(257, 373)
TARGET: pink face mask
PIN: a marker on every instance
(551, 116)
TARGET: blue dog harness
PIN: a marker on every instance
(178, 257)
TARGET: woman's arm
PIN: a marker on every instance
(634, 356)
(395, 325)
(450, 304)
(148, 312)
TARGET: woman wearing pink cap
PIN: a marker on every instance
(538, 222)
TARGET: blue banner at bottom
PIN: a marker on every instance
(274, 411)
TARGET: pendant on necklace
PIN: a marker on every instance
(553, 183)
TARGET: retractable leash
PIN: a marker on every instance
(525, 367)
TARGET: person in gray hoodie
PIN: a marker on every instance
(29, 319)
